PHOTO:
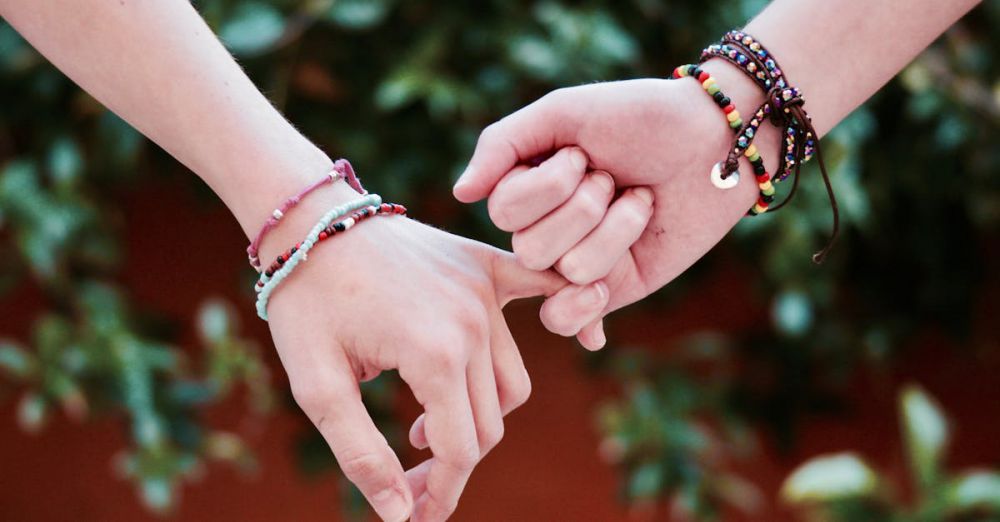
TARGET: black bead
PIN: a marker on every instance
(339, 227)
(768, 199)
(718, 97)
(759, 169)
(725, 101)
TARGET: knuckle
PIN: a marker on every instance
(555, 320)
(311, 399)
(529, 252)
(590, 206)
(520, 392)
(466, 455)
(635, 216)
(492, 436)
(556, 182)
(575, 270)
(490, 133)
(365, 468)
(446, 356)
(500, 211)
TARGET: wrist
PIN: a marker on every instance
(296, 223)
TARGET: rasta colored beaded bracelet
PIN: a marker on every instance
(727, 180)
(341, 170)
(333, 229)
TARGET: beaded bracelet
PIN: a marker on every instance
(332, 230)
(783, 106)
(270, 282)
(718, 177)
(747, 54)
(341, 170)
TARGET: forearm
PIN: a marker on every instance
(840, 52)
(158, 66)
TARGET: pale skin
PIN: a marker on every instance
(423, 302)
(443, 330)
(666, 135)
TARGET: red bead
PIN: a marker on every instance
(762, 203)
(323, 235)
(703, 76)
(764, 178)
(729, 108)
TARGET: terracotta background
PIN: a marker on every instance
(547, 467)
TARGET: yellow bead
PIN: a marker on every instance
(708, 83)
(759, 209)
(751, 150)
(733, 116)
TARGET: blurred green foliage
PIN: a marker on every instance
(843, 487)
(403, 88)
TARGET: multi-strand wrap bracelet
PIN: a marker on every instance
(783, 108)
(337, 220)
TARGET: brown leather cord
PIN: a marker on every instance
(784, 114)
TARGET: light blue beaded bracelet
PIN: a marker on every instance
(270, 283)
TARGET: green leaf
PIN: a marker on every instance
(214, 322)
(926, 433)
(32, 412)
(65, 161)
(830, 477)
(252, 29)
(15, 360)
(792, 312)
(646, 481)
(399, 89)
(359, 14)
(974, 491)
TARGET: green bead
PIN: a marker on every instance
(712, 89)
(737, 123)
(768, 192)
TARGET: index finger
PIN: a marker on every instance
(451, 435)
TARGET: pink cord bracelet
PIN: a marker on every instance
(341, 170)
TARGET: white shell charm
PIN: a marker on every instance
(719, 182)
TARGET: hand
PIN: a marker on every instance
(664, 134)
(396, 294)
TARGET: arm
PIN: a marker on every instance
(159, 67)
(667, 135)
(430, 308)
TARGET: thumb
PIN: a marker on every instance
(512, 280)
(532, 131)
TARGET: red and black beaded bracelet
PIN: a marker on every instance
(333, 229)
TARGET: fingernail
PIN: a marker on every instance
(604, 180)
(598, 292)
(578, 159)
(390, 505)
(645, 194)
